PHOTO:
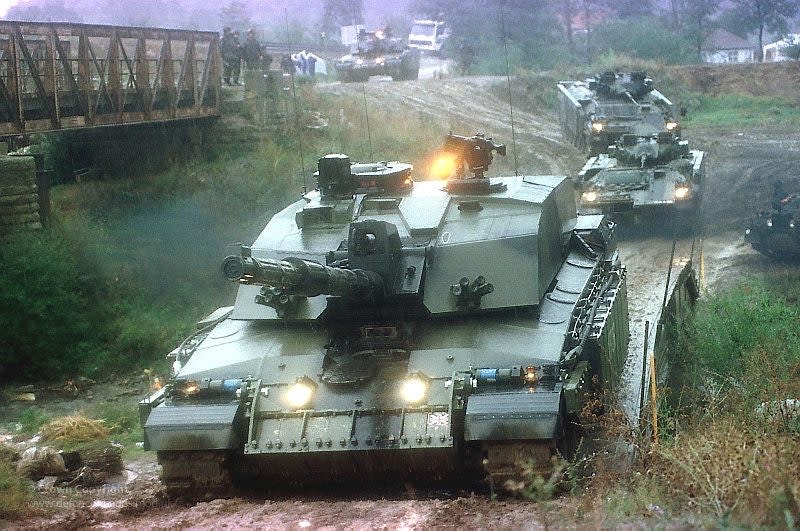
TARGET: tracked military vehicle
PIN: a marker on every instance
(378, 54)
(595, 113)
(776, 232)
(638, 175)
(387, 329)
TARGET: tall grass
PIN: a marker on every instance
(737, 110)
(734, 452)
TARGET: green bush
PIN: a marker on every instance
(48, 319)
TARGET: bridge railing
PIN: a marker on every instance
(61, 75)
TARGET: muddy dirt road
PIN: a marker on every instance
(741, 163)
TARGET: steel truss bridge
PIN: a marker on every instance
(56, 76)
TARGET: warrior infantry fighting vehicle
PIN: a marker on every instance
(387, 329)
(644, 175)
(377, 54)
(595, 113)
(775, 232)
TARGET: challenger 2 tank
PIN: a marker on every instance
(595, 113)
(376, 53)
(775, 232)
(644, 175)
(387, 329)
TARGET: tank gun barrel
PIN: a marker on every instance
(295, 276)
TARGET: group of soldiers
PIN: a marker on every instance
(234, 52)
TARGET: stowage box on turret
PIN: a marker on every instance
(387, 329)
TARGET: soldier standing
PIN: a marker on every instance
(237, 61)
(228, 49)
(251, 51)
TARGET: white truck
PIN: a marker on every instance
(428, 35)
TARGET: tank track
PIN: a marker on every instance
(510, 467)
(196, 475)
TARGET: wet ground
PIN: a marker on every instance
(741, 167)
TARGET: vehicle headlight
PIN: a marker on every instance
(791, 223)
(530, 375)
(747, 231)
(681, 192)
(359, 61)
(414, 388)
(300, 393)
(379, 60)
(589, 197)
(597, 127)
(444, 166)
(186, 388)
(671, 126)
(769, 222)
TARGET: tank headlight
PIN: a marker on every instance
(681, 192)
(414, 388)
(589, 197)
(671, 126)
(791, 223)
(597, 127)
(186, 388)
(769, 222)
(300, 393)
(747, 231)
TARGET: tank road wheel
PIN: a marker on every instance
(512, 467)
(196, 475)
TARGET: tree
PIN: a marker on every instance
(567, 15)
(46, 11)
(694, 18)
(235, 15)
(761, 15)
(340, 13)
(630, 8)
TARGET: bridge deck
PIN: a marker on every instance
(63, 76)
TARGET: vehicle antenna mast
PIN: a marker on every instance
(366, 115)
(508, 79)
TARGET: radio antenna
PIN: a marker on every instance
(366, 115)
(508, 80)
(294, 103)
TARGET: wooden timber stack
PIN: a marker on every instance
(19, 197)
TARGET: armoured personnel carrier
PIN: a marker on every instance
(595, 113)
(377, 54)
(387, 329)
(644, 174)
(775, 232)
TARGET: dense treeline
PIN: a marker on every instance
(537, 33)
